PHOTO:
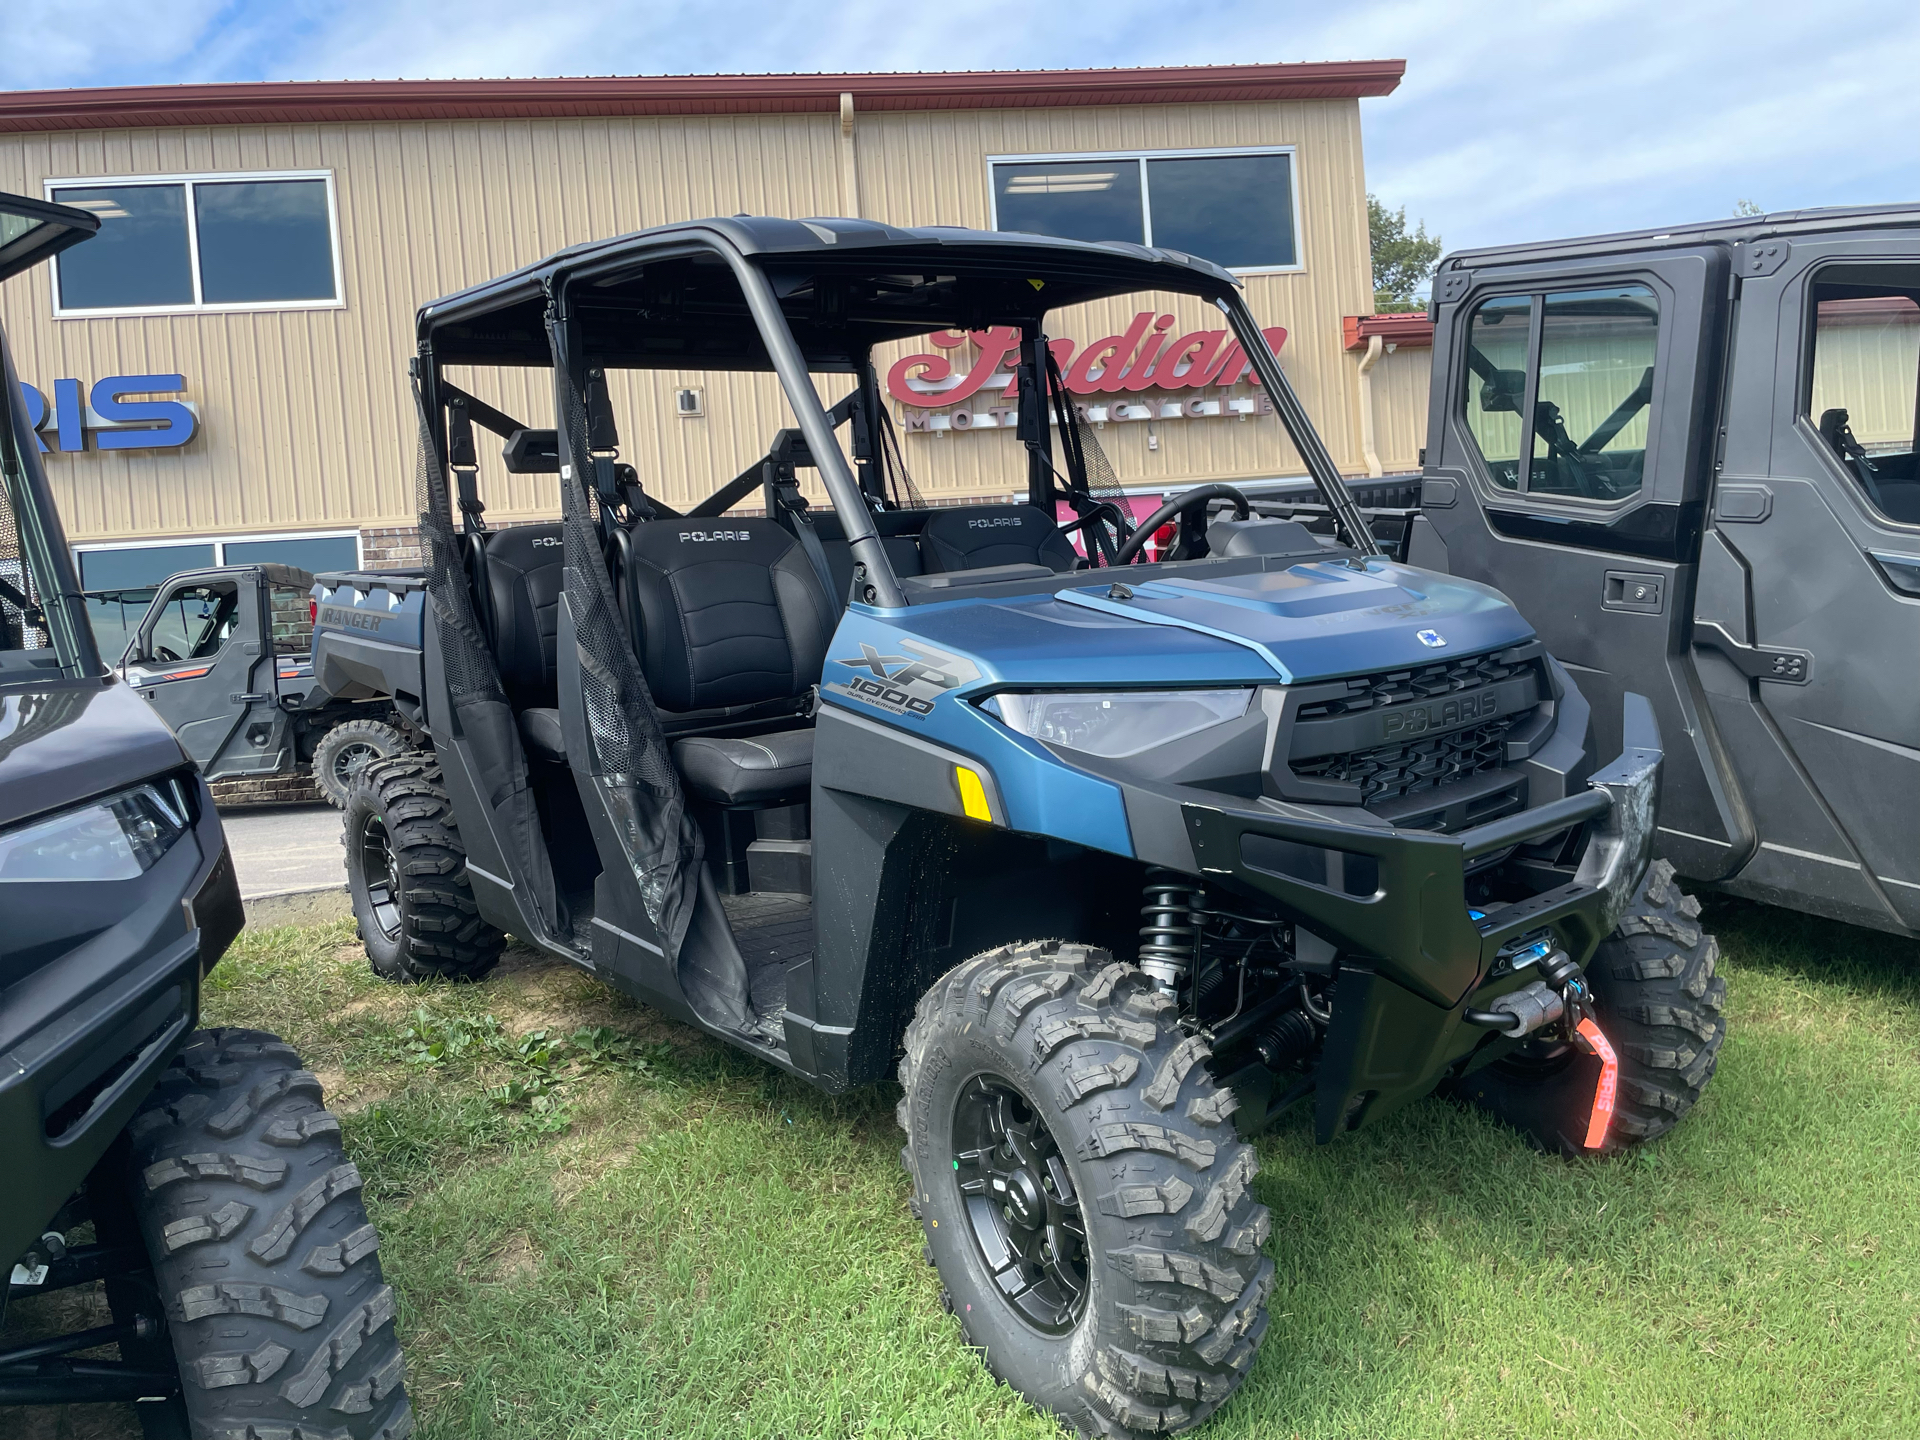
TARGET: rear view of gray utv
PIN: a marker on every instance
(226, 656)
(192, 1173)
(1101, 856)
(1689, 456)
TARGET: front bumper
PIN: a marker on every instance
(84, 1038)
(1393, 904)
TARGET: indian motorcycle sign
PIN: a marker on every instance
(1148, 373)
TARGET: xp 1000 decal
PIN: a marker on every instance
(902, 684)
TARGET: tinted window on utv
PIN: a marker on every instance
(1496, 382)
(1864, 385)
(1596, 380)
(1586, 359)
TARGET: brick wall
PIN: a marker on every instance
(391, 548)
(264, 790)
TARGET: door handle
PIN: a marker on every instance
(1756, 662)
(1633, 590)
(247, 699)
(1901, 572)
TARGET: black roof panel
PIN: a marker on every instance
(1737, 230)
(665, 298)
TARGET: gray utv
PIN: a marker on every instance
(194, 1172)
(226, 656)
(1103, 858)
(1720, 510)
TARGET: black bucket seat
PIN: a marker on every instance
(977, 536)
(516, 586)
(726, 613)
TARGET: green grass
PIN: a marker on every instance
(652, 1235)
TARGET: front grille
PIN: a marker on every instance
(1388, 772)
(1426, 682)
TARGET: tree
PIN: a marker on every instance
(1403, 259)
(1747, 207)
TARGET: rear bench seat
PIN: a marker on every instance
(729, 616)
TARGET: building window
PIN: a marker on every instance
(200, 242)
(1566, 379)
(1233, 207)
(120, 581)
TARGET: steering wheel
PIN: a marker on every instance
(166, 655)
(1178, 505)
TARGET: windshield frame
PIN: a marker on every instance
(43, 546)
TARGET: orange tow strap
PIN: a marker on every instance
(1605, 1092)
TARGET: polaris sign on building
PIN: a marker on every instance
(218, 377)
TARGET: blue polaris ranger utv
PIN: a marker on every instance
(1111, 860)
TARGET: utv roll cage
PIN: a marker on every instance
(802, 297)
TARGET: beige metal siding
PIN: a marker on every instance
(306, 417)
(1400, 379)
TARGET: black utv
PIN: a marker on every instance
(195, 1172)
(1102, 857)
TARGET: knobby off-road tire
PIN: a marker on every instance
(1085, 1051)
(347, 747)
(266, 1264)
(1661, 1006)
(407, 876)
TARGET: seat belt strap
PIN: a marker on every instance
(464, 461)
(795, 505)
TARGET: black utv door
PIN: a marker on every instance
(197, 658)
(1569, 474)
(1808, 618)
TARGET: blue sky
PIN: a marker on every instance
(1515, 122)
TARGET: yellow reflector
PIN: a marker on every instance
(973, 795)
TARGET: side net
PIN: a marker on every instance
(1090, 476)
(630, 762)
(481, 714)
(23, 624)
(900, 489)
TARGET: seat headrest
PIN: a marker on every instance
(976, 536)
(725, 612)
(521, 578)
(672, 544)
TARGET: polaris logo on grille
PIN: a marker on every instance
(704, 536)
(1418, 719)
(994, 524)
(1432, 639)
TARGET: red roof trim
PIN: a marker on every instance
(312, 102)
(1412, 328)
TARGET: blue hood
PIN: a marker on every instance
(1325, 619)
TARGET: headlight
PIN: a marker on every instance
(118, 838)
(1117, 723)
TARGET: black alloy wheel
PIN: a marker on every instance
(1022, 1209)
(1081, 1189)
(376, 862)
(347, 749)
(407, 876)
(348, 760)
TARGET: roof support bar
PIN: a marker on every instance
(791, 367)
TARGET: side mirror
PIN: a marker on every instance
(1504, 392)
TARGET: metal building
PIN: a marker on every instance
(220, 376)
